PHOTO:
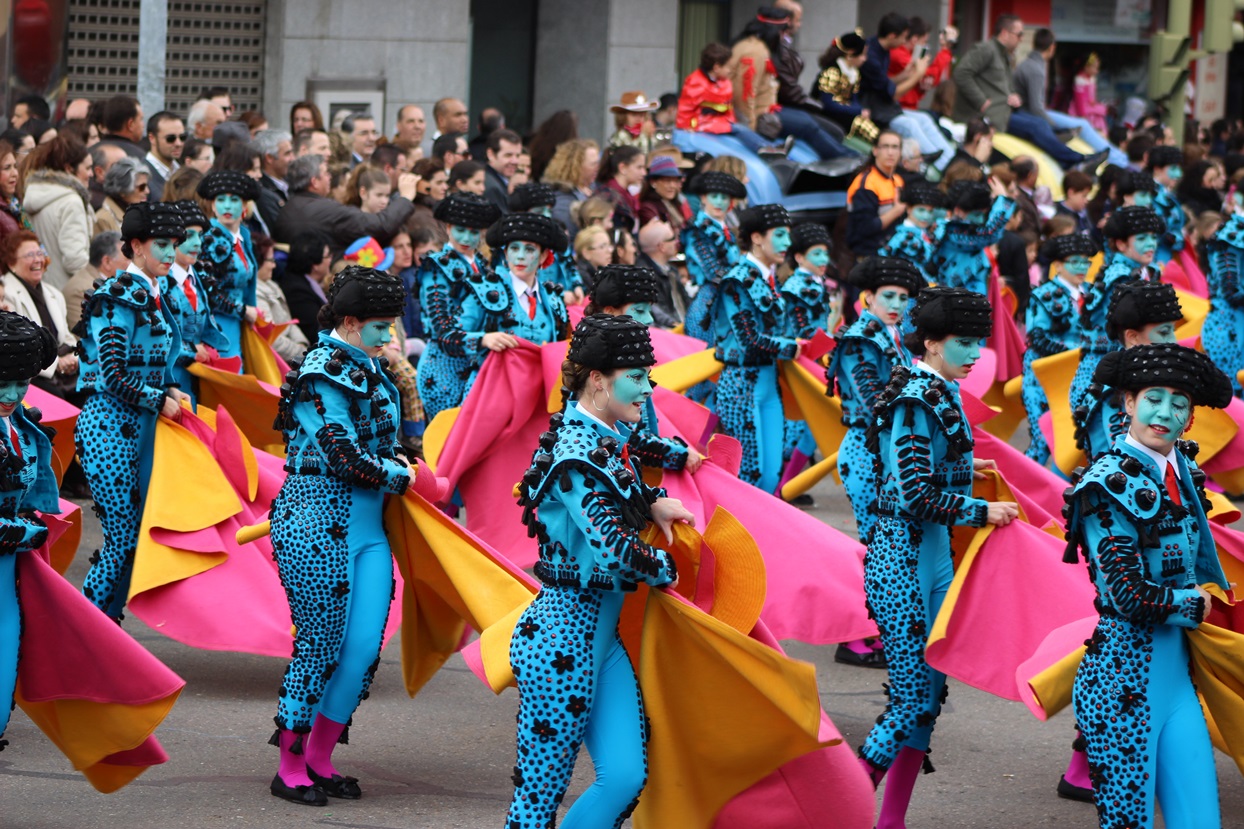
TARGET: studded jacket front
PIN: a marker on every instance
(749, 319)
(861, 366)
(230, 275)
(27, 483)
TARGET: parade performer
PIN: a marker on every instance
(749, 329)
(187, 301)
(922, 442)
(586, 503)
(1138, 517)
(976, 223)
(129, 344)
(533, 197)
(916, 238)
(1141, 313)
(1222, 333)
(340, 418)
(448, 358)
(503, 305)
(709, 246)
(27, 482)
(1053, 322)
(228, 258)
(867, 353)
(627, 290)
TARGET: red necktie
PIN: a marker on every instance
(474, 267)
(531, 306)
(188, 288)
(898, 341)
(772, 282)
(240, 251)
(17, 445)
(1172, 484)
(729, 235)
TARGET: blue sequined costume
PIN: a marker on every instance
(340, 416)
(586, 504)
(563, 272)
(230, 278)
(1134, 699)
(1167, 205)
(960, 260)
(923, 445)
(749, 324)
(26, 483)
(859, 369)
(128, 344)
(917, 245)
(1053, 324)
(194, 320)
(711, 251)
(807, 311)
(448, 358)
(1222, 334)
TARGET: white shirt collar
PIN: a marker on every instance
(767, 271)
(580, 408)
(179, 274)
(160, 167)
(1076, 290)
(921, 364)
(1159, 459)
(154, 288)
(521, 289)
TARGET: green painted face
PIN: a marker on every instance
(889, 303)
(193, 244)
(940, 213)
(717, 201)
(376, 333)
(976, 217)
(1159, 332)
(779, 240)
(1077, 265)
(543, 210)
(464, 237)
(1143, 198)
(639, 311)
(523, 258)
(818, 256)
(1175, 172)
(1162, 415)
(962, 352)
(228, 208)
(1144, 244)
(922, 215)
(164, 250)
(11, 394)
(632, 386)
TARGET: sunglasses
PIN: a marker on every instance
(142, 188)
(175, 138)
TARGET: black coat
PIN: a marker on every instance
(304, 303)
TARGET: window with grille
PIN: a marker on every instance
(209, 44)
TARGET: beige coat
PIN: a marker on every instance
(60, 214)
(18, 295)
(109, 216)
(755, 88)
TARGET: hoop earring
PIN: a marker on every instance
(357, 336)
(600, 408)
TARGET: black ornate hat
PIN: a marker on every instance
(1061, 248)
(604, 343)
(191, 213)
(619, 285)
(527, 227)
(25, 348)
(1166, 364)
(532, 194)
(762, 217)
(942, 312)
(466, 210)
(919, 191)
(1164, 156)
(876, 271)
(808, 235)
(714, 181)
(1133, 220)
(152, 220)
(1135, 181)
(219, 182)
(970, 196)
(366, 293)
(1137, 303)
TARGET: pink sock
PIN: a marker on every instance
(1077, 773)
(859, 646)
(293, 768)
(319, 745)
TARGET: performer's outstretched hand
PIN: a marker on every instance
(665, 511)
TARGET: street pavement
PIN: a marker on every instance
(444, 759)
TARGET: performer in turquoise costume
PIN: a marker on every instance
(586, 503)
(1141, 313)
(340, 415)
(448, 359)
(27, 482)
(187, 300)
(922, 442)
(710, 246)
(128, 344)
(228, 259)
(1166, 165)
(534, 197)
(979, 215)
(917, 237)
(1138, 517)
(1053, 323)
(749, 329)
(1222, 334)
(627, 290)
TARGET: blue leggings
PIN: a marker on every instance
(859, 479)
(749, 404)
(337, 569)
(802, 125)
(115, 442)
(576, 686)
(1035, 404)
(10, 636)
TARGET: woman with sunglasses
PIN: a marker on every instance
(125, 183)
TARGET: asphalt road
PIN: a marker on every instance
(444, 759)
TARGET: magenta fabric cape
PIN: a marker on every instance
(1007, 341)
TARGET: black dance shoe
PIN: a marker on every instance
(872, 659)
(1070, 791)
(305, 795)
(346, 788)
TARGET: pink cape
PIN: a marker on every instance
(1184, 273)
(1007, 341)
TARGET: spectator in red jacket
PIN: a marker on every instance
(706, 103)
(917, 44)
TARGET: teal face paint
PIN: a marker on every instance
(922, 215)
(1145, 244)
(818, 256)
(639, 311)
(376, 333)
(961, 352)
(522, 258)
(11, 394)
(1077, 265)
(890, 303)
(976, 217)
(940, 213)
(228, 208)
(164, 251)
(1163, 415)
(543, 210)
(1162, 332)
(717, 201)
(1143, 198)
(465, 239)
(193, 245)
(1238, 198)
(1175, 172)
(632, 386)
(779, 240)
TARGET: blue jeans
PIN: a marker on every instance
(1062, 121)
(1037, 130)
(920, 125)
(803, 126)
(750, 138)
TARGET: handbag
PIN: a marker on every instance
(769, 125)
